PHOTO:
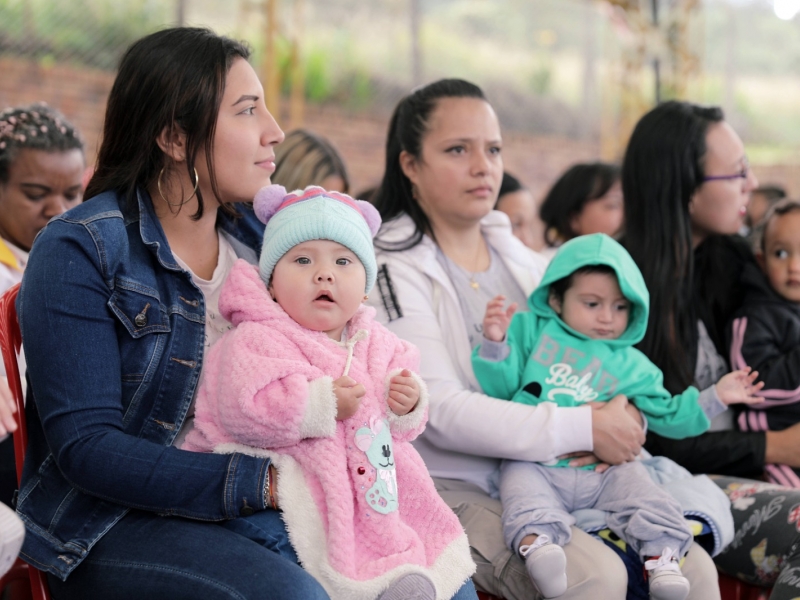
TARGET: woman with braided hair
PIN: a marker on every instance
(41, 170)
(41, 167)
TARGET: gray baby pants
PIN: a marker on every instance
(538, 500)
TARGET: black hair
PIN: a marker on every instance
(407, 128)
(35, 127)
(779, 209)
(662, 169)
(772, 193)
(172, 79)
(559, 287)
(579, 185)
(509, 185)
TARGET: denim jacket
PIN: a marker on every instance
(113, 331)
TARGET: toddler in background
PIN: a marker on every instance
(766, 329)
(576, 346)
(308, 378)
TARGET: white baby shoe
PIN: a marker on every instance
(666, 580)
(547, 566)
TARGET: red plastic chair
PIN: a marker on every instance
(732, 589)
(10, 342)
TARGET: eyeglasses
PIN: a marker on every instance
(745, 171)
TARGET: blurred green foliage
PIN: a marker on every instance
(88, 32)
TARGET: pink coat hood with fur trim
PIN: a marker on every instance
(357, 500)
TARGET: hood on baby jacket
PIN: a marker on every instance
(597, 249)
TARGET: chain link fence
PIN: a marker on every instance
(555, 69)
(90, 33)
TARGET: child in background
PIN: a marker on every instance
(309, 379)
(762, 199)
(766, 329)
(586, 199)
(576, 346)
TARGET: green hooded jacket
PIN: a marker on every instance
(548, 361)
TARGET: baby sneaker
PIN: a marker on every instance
(413, 586)
(666, 580)
(547, 566)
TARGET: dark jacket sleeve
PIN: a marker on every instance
(731, 453)
(761, 350)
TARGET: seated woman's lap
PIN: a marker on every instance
(266, 528)
(766, 544)
(593, 569)
(168, 558)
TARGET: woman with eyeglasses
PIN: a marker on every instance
(686, 183)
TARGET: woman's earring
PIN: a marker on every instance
(366, 297)
(182, 202)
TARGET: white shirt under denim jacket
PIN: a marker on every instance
(468, 432)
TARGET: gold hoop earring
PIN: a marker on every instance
(182, 202)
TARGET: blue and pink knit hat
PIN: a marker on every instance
(315, 214)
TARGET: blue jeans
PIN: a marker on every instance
(170, 558)
(266, 528)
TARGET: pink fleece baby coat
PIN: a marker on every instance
(357, 500)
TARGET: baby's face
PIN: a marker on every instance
(320, 284)
(781, 258)
(594, 306)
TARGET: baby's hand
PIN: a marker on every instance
(737, 387)
(403, 393)
(348, 396)
(497, 318)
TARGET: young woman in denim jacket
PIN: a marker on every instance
(117, 307)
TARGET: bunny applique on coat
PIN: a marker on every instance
(357, 500)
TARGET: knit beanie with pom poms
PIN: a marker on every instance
(315, 214)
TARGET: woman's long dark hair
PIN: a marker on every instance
(579, 185)
(509, 185)
(171, 79)
(407, 128)
(663, 167)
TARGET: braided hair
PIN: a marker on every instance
(37, 127)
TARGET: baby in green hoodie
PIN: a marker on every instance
(576, 346)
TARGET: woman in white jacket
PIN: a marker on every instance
(442, 254)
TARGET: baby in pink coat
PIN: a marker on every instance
(307, 378)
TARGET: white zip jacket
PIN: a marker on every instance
(468, 432)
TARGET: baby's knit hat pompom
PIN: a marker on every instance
(267, 201)
(371, 216)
